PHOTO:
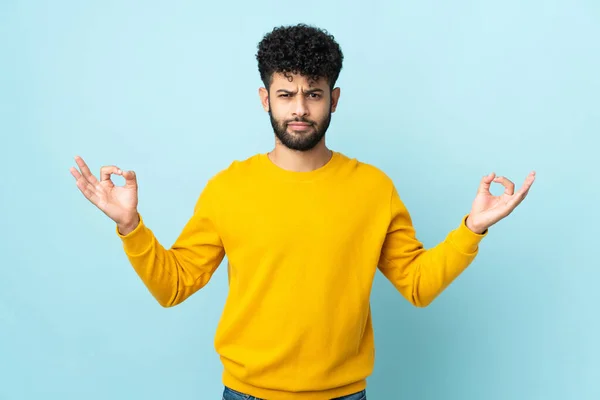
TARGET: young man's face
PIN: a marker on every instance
(300, 109)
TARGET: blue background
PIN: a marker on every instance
(437, 94)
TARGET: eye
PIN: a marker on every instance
(314, 96)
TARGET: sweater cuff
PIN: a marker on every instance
(137, 241)
(465, 240)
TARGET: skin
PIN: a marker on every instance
(288, 99)
(299, 98)
(488, 209)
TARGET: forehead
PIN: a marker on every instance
(296, 81)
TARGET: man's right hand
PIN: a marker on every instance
(119, 203)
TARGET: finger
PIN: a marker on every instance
(486, 181)
(509, 186)
(515, 200)
(107, 171)
(527, 184)
(84, 186)
(130, 179)
(520, 195)
(529, 180)
(75, 173)
(85, 171)
(88, 191)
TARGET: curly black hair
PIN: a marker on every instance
(299, 49)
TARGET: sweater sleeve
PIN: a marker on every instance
(420, 274)
(172, 275)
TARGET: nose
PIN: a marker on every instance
(300, 108)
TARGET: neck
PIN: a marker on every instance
(300, 161)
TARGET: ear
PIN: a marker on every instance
(264, 98)
(335, 97)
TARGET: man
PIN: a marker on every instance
(304, 229)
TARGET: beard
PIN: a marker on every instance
(301, 140)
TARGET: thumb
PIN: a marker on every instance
(130, 179)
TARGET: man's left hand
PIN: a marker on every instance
(488, 209)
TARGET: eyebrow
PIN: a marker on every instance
(316, 90)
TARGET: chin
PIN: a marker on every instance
(300, 133)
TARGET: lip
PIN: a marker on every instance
(298, 124)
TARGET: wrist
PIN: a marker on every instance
(128, 225)
(474, 227)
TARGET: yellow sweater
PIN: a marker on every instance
(302, 251)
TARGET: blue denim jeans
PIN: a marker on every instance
(230, 394)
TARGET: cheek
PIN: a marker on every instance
(278, 115)
(319, 113)
(283, 110)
